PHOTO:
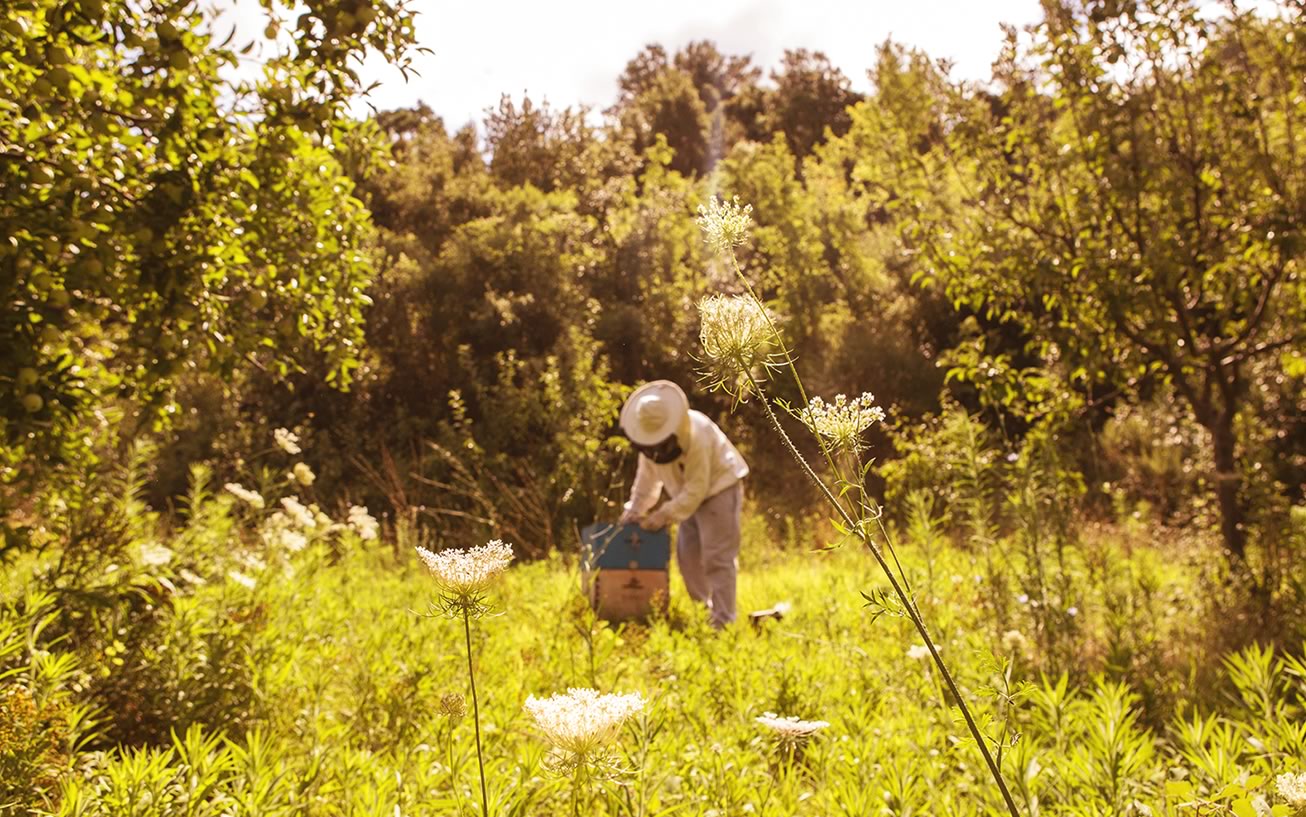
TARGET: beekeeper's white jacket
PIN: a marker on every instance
(708, 464)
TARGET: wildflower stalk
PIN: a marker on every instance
(912, 612)
(476, 711)
(453, 775)
(463, 577)
(576, 786)
(726, 226)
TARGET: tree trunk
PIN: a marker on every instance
(1226, 486)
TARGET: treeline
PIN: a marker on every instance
(526, 280)
(1084, 275)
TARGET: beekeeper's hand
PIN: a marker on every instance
(629, 516)
(657, 520)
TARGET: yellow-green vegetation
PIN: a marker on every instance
(336, 694)
(1033, 347)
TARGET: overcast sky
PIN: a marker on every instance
(570, 52)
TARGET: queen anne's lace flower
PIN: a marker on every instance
(791, 729)
(363, 523)
(253, 498)
(464, 575)
(1014, 641)
(844, 421)
(287, 441)
(1292, 788)
(725, 224)
(738, 340)
(582, 720)
(453, 706)
(298, 512)
(303, 474)
(279, 532)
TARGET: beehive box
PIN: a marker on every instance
(626, 595)
(627, 547)
(627, 577)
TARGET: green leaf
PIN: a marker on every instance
(1230, 791)
(1243, 808)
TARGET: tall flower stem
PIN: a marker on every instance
(476, 711)
(912, 613)
(575, 789)
(453, 775)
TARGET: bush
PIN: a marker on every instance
(42, 721)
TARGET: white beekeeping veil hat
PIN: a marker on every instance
(654, 412)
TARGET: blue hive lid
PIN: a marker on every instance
(627, 546)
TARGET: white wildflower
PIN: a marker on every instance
(725, 224)
(582, 720)
(464, 575)
(737, 339)
(293, 541)
(253, 498)
(287, 441)
(298, 512)
(241, 579)
(363, 523)
(279, 533)
(1292, 788)
(1261, 806)
(844, 421)
(303, 474)
(1014, 641)
(1072, 611)
(791, 729)
(152, 554)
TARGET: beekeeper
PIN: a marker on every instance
(684, 452)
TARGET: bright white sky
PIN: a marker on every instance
(570, 52)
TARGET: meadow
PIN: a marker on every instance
(309, 677)
(303, 403)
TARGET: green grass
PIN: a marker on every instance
(344, 673)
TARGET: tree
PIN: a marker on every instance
(520, 143)
(671, 106)
(655, 98)
(1138, 191)
(810, 96)
(718, 77)
(158, 215)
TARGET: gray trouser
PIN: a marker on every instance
(707, 550)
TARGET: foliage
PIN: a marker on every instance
(1011, 269)
(1133, 198)
(42, 725)
(160, 215)
(348, 676)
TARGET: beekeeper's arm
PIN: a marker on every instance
(643, 494)
(698, 473)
